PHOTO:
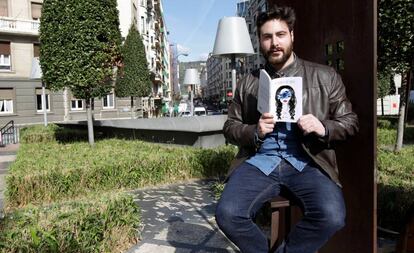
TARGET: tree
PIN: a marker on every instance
(134, 77)
(396, 49)
(80, 42)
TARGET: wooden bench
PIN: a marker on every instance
(281, 220)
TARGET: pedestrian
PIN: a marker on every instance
(298, 158)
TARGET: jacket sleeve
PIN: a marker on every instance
(343, 122)
(235, 129)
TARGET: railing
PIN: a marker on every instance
(19, 25)
(8, 134)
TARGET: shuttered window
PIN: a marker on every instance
(5, 63)
(36, 10)
(36, 50)
(6, 100)
(4, 8)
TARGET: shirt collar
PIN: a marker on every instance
(289, 70)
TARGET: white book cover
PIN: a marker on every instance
(282, 97)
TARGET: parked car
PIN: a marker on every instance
(184, 114)
(200, 111)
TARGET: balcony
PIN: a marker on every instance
(19, 26)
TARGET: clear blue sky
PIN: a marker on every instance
(193, 23)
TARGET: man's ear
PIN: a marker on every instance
(292, 36)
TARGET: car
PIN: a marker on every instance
(200, 111)
(184, 114)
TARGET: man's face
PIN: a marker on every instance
(276, 42)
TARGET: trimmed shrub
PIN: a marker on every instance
(386, 137)
(52, 133)
(49, 172)
(395, 187)
(384, 123)
(38, 134)
(100, 223)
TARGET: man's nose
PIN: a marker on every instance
(275, 41)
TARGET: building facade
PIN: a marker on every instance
(148, 17)
(20, 84)
(254, 8)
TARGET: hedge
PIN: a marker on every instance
(395, 187)
(99, 223)
(47, 172)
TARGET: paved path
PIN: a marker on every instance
(7, 156)
(180, 218)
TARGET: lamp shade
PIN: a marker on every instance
(232, 37)
(191, 77)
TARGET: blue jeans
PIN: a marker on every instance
(248, 189)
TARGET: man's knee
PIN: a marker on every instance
(333, 218)
(224, 214)
(227, 216)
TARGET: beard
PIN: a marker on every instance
(281, 58)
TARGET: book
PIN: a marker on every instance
(282, 97)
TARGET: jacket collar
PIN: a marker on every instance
(289, 70)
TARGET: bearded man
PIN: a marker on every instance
(297, 158)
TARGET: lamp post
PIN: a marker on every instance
(177, 50)
(37, 74)
(192, 78)
(232, 40)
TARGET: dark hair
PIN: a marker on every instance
(292, 102)
(283, 13)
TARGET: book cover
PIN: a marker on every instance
(282, 97)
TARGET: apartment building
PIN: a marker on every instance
(20, 84)
(148, 16)
(254, 8)
(20, 94)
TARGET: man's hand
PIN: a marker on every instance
(310, 124)
(265, 125)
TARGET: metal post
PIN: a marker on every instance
(192, 100)
(44, 109)
(233, 73)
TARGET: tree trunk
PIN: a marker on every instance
(90, 122)
(382, 106)
(402, 112)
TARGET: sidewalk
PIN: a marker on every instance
(180, 218)
(7, 156)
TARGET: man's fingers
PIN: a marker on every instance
(267, 115)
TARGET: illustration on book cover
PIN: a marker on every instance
(282, 97)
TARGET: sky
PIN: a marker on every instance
(193, 24)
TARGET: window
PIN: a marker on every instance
(108, 101)
(39, 105)
(5, 55)
(6, 100)
(76, 104)
(36, 50)
(142, 25)
(134, 14)
(3, 8)
(36, 10)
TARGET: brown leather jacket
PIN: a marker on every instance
(323, 96)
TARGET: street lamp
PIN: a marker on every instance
(37, 74)
(191, 78)
(232, 40)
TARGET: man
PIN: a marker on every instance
(294, 157)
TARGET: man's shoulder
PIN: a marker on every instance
(317, 67)
(251, 76)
